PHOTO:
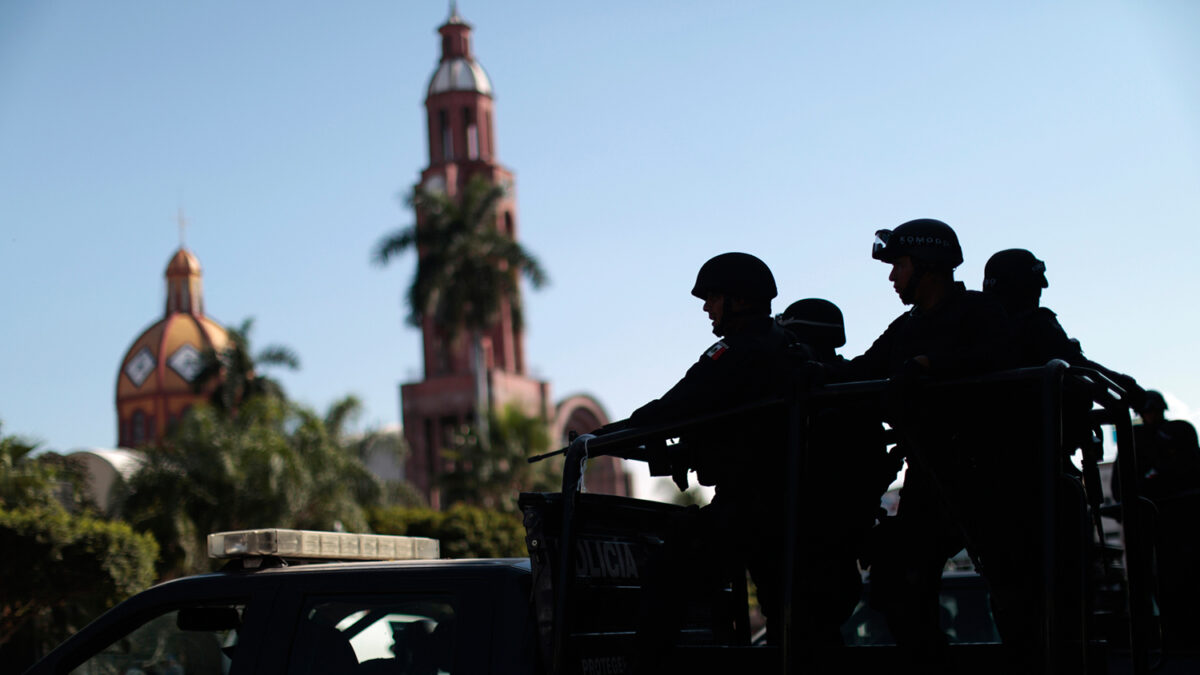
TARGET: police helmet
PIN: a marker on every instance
(1014, 270)
(1154, 402)
(735, 274)
(815, 322)
(927, 241)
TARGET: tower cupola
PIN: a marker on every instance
(185, 292)
(458, 70)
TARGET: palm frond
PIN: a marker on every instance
(467, 268)
(342, 412)
(278, 355)
(394, 245)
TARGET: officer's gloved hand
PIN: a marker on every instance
(915, 367)
(683, 456)
(679, 474)
(812, 374)
(1135, 396)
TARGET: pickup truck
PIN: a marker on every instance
(278, 607)
(389, 605)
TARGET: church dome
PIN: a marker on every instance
(460, 74)
(155, 381)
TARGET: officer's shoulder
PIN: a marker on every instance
(971, 295)
(1041, 318)
(718, 350)
(799, 352)
(981, 301)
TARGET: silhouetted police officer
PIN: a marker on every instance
(949, 332)
(743, 460)
(1167, 455)
(1015, 277)
(846, 471)
(816, 323)
(1168, 470)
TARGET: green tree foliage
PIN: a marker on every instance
(62, 570)
(60, 565)
(274, 464)
(29, 480)
(22, 481)
(492, 475)
(237, 371)
(464, 531)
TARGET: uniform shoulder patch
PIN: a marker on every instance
(714, 352)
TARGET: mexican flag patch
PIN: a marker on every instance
(714, 352)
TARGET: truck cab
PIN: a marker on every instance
(265, 613)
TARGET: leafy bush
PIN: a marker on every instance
(61, 571)
(464, 531)
(492, 474)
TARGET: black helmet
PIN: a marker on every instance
(735, 274)
(926, 240)
(814, 322)
(1154, 402)
(1014, 270)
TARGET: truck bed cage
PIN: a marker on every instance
(652, 444)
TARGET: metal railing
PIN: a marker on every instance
(651, 445)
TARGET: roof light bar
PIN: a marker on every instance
(314, 545)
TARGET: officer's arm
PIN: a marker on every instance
(1051, 340)
(875, 363)
(611, 427)
(699, 391)
(1051, 332)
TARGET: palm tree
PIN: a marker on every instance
(236, 370)
(276, 464)
(467, 269)
(495, 472)
(31, 479)
(23, 483)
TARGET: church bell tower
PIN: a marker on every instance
(462, 145)
(459, 109)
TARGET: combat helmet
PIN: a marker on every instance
(930, 243)
(1014, 270)
(1154, 402)
(735, 274)
(815, 322)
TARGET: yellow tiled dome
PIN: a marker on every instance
(155, 383)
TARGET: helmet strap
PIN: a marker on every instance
(1021, 302)
(908, 294)
(920, 271)
(737, 310)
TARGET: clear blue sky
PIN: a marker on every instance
(645, 138)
